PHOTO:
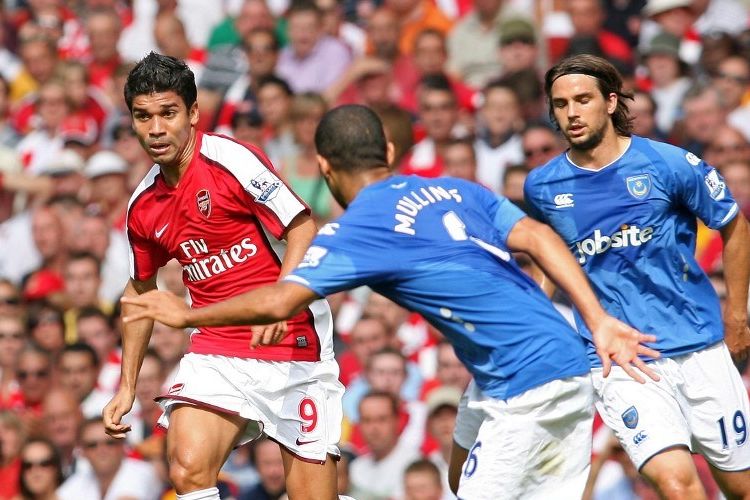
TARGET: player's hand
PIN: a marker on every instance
(737, 337)
(112, 414)
(164, 307)
(268, 334)
(618, 342)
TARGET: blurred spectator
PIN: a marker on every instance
(299, 167)
(540, 143)
(108, 470)
(169, 344)
(473, 41)
(717, 46)
(527, 85)
(40, 146)
(12, 340)
(514, 178)
(438, 114)
(719, 16)
(8, 134)
(675, 17)
(39, 56)
(103, 27)
(83, 98)
(34, 373)
(460, 159)
(41, 470)
(78, 368)
(498, 141)
(46, 326)
(150, 383)
(450, 371)
(643, 112)
(107, 172)
(587, 17)
(668, 74)
(415, 16)
(398, 130)
(737, 176)
(378, 475)
(125, 144)
(727, 145)
(313, 60)
(274, 104)
(62, 419)
(95, 235)
(336, 26)
(422, 482)
(80, 133)
(267, 461)
(172, 40)
(368, 336)
(82, 283)
(12, 436)
(247, 126)
(66, 171)
(95, 329)
(518, 46)
(10, 299)
(442, 408)
(703, 116)
(262, 50)
(253, 14)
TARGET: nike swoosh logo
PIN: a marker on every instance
(300, 443)
(161, 231)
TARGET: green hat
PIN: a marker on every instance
(517, 29)
(664, 43)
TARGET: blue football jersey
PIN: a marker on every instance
(632, 226)
(437, 247)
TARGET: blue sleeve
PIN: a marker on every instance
(532, 205)
(502, 211)
(700, 188)
(340, 258)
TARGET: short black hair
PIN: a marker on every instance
(275, 80)
(351, 138)
(160, 73)
(81, 347)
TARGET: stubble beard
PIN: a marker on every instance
(593, 140)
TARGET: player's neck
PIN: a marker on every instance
(607, 151)
(361, 180)
(173, 172)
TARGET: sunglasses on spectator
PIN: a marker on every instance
(28, 464)
(11, 336)
(735, 78)
(23, 375)
(546, 149)
(10, 301)
(109, 443)
(263, 49)
(726, 148)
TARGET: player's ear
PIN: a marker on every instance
(390, 153)
(194, 114)
(612, 103)
(324, 166)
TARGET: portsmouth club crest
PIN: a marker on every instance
(630, 418)
(639, 186)
(203, 199)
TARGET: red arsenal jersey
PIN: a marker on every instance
(215, 223)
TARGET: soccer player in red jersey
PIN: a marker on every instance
(216, 205)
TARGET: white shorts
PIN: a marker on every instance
(700, 403)
(468, 420)
(296, 403)
(535, 445)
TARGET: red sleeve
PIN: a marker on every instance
(145, 257)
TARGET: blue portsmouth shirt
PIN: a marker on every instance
(438, 247)
(632, 227)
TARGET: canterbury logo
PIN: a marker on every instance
(564, 200)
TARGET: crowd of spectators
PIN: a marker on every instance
(457, 84)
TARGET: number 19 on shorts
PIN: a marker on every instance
(739, 426)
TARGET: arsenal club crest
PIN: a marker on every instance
(203, 199)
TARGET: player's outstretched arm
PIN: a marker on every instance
(736, 258)
(135, 337)
(614, 340)
(264, 305)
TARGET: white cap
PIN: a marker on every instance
(104, 163)
(654, 7)
(67, 162)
